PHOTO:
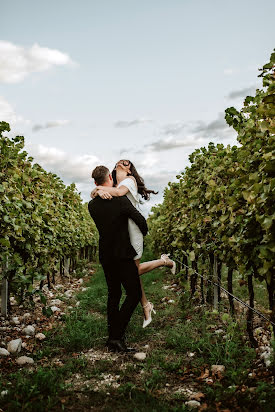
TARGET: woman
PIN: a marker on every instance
(128, 182)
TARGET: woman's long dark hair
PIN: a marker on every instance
(142, 190)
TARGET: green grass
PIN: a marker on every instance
(177, 329)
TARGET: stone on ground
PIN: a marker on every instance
(193, 404)
(15, 345)
(24, 360)
(140, 356)
(4, 352)
(29, 330)
(40, 336)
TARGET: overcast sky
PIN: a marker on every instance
(90, 82)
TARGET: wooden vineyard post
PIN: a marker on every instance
(66, 266)
(209, 295)
(249, 319)
(215, 276)
(4, 292)
(219, 267)
(230, 289)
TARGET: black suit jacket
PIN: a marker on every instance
(111, 219)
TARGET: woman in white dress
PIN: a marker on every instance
(128, 182)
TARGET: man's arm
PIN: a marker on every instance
(130, 211)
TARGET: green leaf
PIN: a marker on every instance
(267, 223)
(5, 242)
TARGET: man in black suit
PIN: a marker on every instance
(116, 257)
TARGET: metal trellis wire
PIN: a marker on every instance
(226, 291)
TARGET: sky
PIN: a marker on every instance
(91, 82)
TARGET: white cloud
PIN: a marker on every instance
(197, 134)
(8, 114)
(156, 180)
(129, 123)
(217, 125)
(247, 91)
(170, 142)
(172, 128)
(50, 124)
(70, 168)
(17, 62)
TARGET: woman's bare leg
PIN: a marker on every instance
(146, 267)
(143, 301)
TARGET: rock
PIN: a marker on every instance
(40, 336)
(23, 360)
(80, 281)
(219, 331)
(15, 345)
(140, 356)
(59, 286)
(3, 393)
(29, 330)
(68, 293)
(15, 321)
(190, 354)
(193, 404)
(13, 301)
(55, 309)
(56, 302)
(171, 301)
(4, 352)
(217, 369)
(84, 289)
(77, 303)
(26, 315)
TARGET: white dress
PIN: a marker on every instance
(136, 237)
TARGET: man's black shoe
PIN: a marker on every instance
(117, 345)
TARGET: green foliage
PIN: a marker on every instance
(224, 202)
(42, 220)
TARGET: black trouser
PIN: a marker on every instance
(117, 273)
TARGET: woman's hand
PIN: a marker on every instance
(104, 195)
(94, 193)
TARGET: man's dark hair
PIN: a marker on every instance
(100, 174)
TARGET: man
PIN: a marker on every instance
(116, 256)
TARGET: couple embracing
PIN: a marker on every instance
(121, 229)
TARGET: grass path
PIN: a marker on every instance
(77, 373)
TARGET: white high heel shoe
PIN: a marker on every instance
(165, 258)
(149, 320)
